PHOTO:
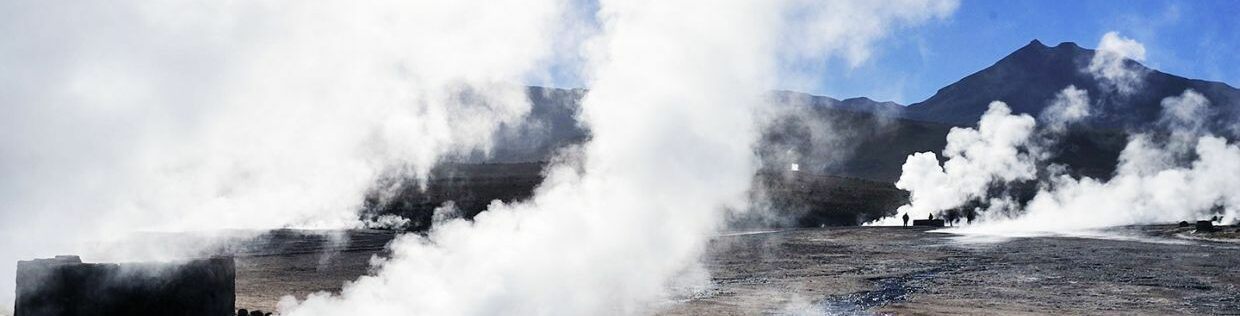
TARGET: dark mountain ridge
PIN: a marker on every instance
(857, 104)
(1030, 77)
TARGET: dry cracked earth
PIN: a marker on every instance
(861, 270)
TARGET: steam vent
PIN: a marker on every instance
(65, 286)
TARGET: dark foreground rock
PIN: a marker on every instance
(65, 286)
(1205, 227)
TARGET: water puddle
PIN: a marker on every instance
(887, 291)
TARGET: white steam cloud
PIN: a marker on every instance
(134, 115)
(1179, 178)
(674, 90)
(1176, 171)
(1111, 63)
(994, 153)
(670, 151)
(1070, 105)
(197, 115)
(1005, 148)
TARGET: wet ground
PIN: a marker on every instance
(863, 270)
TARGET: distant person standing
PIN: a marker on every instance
(931, 216)
(905, 219)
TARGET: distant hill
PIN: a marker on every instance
(856, 137)
(849, 151)
(860, 104)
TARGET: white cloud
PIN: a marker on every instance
(850, 30)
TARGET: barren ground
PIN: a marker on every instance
(859, 270)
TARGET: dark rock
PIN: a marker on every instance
(1205, 227)
(928, 222)
(256, 313)
(64, 286)
(243, 312)
(1184, 224)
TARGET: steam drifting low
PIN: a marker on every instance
(206, 115)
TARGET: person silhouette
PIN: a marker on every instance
(905, 219)
(931, 216)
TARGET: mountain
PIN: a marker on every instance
(1030, 77)
(849, 152)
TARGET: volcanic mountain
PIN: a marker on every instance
(1029, 77)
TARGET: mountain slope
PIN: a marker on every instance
(1028, 79)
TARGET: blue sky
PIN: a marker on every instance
(1195, 39)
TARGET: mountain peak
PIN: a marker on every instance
(1037, 47)
(859, 99)
(1072, 45)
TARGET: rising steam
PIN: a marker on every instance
(195, 115)
(123, 116)
(1114, 65)
(674, 89)
(1176, 171)
(1190, 175)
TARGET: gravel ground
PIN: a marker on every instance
(864, 270)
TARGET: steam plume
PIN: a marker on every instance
(1176, 171)
(172, 116)
(995, 152)
(132, 115)
(1111, 63)
(671, 109)
(1070, 105)
(1156, 182)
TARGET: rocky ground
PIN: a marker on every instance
(911, 271)
(861, 270)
